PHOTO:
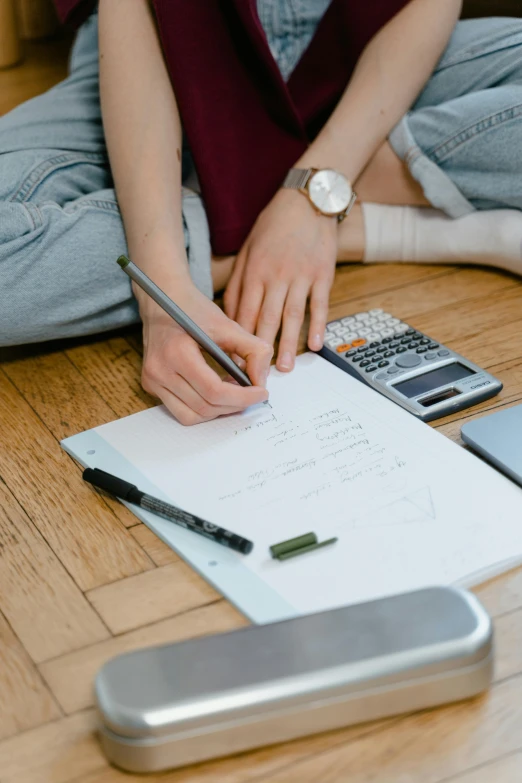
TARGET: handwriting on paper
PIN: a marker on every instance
(332, 447)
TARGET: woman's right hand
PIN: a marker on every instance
(175, 370)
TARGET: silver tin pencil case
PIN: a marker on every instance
(183, 703)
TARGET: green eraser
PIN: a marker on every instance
(293, 543)
(123, 261)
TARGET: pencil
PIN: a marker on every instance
(183, 320)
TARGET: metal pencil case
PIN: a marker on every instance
(183, 703)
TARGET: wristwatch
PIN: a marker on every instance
(328, 190)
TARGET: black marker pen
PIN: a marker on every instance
(130, 492)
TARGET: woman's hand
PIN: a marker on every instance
(288, 257)
(175, 370)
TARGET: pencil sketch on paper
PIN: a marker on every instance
(415, 507)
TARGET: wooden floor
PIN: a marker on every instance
(81, 580)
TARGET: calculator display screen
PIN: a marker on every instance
(433, 380)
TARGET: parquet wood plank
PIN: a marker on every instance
(354, 281)
(90, 542)
(60, 752)
(24, 699)
(151, 596)
(441, 301)
(66, 403)
(159, 553)
(504, 770)
(70, 677)
(44, 606)
(113, 368)
(430, 747)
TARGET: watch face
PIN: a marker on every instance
(329, 191)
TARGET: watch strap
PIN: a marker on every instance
(297, 178)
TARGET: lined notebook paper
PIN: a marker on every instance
(409, 507)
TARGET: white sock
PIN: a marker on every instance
(423, 234)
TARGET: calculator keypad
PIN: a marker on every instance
(375, 340)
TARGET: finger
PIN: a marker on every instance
(210, 386)
(250, 301)
(182, 412)
(233, 290)
(186, 393)
(319, 303)
(256, 353)
(293, 317)
(271, 312)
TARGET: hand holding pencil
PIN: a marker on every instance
(174, 368)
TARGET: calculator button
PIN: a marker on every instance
(363, 349)
(388, 354)
(364, 330)
(395, 344)
(393, 322)
(371, 353)
(444, 352)
(392, 370)
(381, 376)
(419, 350)
(344, 347)
(335, 342)
(410, 360)
(338, 330)
(348, 321)
(387, 332)
(401, 329)
(376, 311)
(383, 364)
(358, 358)
(357, 343)
(433, 346)
(402, 349)
(387, 340)
(365, 363)
(373, 336)
(405, 340)
(417, 336)
(374, 345)
(430, 355)
(424, 341)
(331, 326)
(371, 368)
(382, 348)
(349, 336)
(413, 345)
(361, 316)
(410, 331)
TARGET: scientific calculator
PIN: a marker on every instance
(407, 366)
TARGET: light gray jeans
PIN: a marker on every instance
(60, 227)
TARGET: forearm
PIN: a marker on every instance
(390, 73)
(143, 134)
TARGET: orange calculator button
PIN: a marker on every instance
(359, 342)
(343, 348)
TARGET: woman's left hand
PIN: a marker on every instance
(288, 257)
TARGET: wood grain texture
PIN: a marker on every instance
(91, 543)
(159, 553)
(44, 606)
(70, 677)
(24, 699)
(150, 596)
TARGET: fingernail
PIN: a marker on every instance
(286, 361)
(316, 342)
